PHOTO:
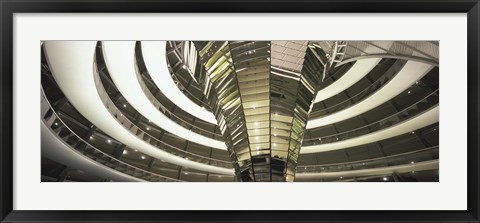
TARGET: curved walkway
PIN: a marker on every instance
(54, 149)
(425, 119)
(358, 71)
(427, 165)
(72, 66)
(156, 62)
(410, 73)
(119, 58)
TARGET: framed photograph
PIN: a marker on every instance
(201, 111)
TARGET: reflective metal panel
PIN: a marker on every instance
(261, 93)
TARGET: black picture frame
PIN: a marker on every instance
(9, 7)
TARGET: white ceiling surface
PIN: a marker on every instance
(55, 149)
(156, 62)
(71, 63)
(359, 70)
(410, 73)
(120, 60)
(427, 118)
(420, 166)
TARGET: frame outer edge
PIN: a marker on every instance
(473, 42)
(6, 137)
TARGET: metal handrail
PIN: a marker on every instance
(375, 85)
(64, 125)
(371, 124)
(133, 128)
(373, 159)
(164, 110)
(404, 158)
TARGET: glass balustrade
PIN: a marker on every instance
(409, 158)
(421, 106)
(62, 131)
(379, 83)
(172, 115)
(145, 136)
(182, 84)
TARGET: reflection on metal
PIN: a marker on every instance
(261, 94)
(333, 50)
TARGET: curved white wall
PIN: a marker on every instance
(156, 62)
(55, 149)
(71, 63)
(425, 119)
(358, 71)
(410, 73)
(120, 60)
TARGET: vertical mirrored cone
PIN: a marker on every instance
(261, 93)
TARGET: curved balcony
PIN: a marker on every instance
(53, 121)
(427, 154)
(115, 149)
(119, 58)
(408, 76)
(58, 127)
(173, 116)
(144, 135)
(90, 133)
(379, 83)
(358, 70)
(382, 174)
(419, 107)
(141, 76)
